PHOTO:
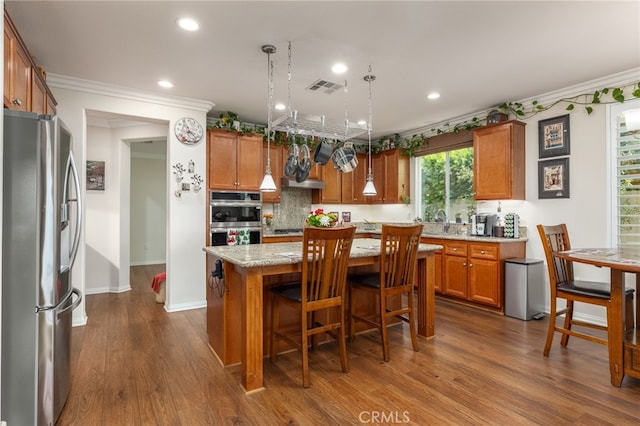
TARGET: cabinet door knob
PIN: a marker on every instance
(481, 251)
(455, 249)
(471, 265)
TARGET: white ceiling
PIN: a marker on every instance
(476, 54)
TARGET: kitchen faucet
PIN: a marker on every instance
(445, 227)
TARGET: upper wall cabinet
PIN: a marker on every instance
(499, 161)
(24, 87)
(17, 70)
(235, 160)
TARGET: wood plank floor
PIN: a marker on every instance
(135, 364)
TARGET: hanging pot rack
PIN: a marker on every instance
(317, 125)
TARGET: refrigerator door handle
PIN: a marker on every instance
(75, 303)
(73, 171)
(62, 301)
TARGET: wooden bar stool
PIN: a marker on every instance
(398, 260)
(325, 259)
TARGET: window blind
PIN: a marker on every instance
(627, 184)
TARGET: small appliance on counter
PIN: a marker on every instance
(485, 223)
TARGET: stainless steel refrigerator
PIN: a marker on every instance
(40, 236)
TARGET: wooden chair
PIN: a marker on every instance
(322, 288)
(398, 260)
(563, 285)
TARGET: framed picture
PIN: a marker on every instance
(553, 137)
(95, 175)
(553, 178)
(346, 217)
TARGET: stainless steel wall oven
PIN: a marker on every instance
(235, 214)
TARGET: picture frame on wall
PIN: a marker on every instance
(95, 175)
(553, 178)
(554, 137)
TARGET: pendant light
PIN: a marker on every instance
(369, 188)
(268, 184)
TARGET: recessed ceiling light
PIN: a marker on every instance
(362, 122)
(280, 106)
(339, 68)
(433, 95)
(165, 83)
(188, 24)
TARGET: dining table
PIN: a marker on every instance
(236, 328)
(620, 261)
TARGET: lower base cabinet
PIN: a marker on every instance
(473, 272)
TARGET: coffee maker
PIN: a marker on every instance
(485, 223)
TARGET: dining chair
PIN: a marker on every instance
(396, 277)
(325, 258)
(563, 285)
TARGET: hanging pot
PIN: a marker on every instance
(291, 165)
(304, 164)
(345, 159)
(323, 152)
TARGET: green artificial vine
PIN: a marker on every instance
(410, 145)
(588, 100)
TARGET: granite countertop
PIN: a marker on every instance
(254, 255)
(452, 235)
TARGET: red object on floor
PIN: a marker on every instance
(157, 280)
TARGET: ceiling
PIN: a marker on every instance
(476, 54)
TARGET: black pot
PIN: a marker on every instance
(322, 153)
(302, 172)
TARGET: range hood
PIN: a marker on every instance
(307, 184)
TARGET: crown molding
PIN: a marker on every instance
(615, 80)
(99, 88)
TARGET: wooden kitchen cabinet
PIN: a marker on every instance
(277, 170)
(17, 69)
(332, 191)
(353, 182)
(24, 88)
(454, 266)
(499, 161)
(38, 95)
(473, 272)
(396, 176)
(235, 160)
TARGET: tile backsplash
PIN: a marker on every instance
(293, 209)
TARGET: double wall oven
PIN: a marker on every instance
(232, 214)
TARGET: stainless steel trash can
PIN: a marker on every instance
(524, 291)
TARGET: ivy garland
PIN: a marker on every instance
(410, 144)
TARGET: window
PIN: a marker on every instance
(446, 182)
(624, 153)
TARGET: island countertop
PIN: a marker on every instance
(255, 255)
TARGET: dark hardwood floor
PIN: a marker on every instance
(135, 364)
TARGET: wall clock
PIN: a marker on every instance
(188, 130)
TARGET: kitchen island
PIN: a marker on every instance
(235, 304)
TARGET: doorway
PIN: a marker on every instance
(111, 138)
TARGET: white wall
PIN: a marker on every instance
(102, 221)
(106, 251)
(185, 238)
(148, 204)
